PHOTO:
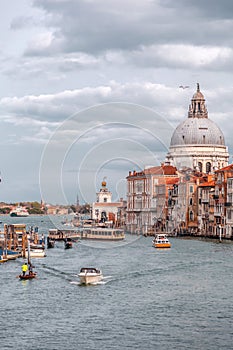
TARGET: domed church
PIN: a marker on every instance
(197, 142)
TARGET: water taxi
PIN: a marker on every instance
(161, 241)
(103, 233)
(90, 275)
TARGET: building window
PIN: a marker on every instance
(191, 201)
(200, 166)
(191, 216)
(208, 167)
(190, 189)
(105, 199)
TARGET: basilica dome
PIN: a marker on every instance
(197, 131)
(198, 142)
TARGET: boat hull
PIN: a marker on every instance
(90, 275)
(103, 234)
(40, 253)
(162, 245)
(90, 279)
(161, 241)
(28, 276)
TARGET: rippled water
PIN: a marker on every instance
(151, 299)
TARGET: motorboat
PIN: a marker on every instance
(90, 275)
(36, 253)
(161, 241)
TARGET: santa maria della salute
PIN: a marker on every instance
(198, 142)
(192, 191)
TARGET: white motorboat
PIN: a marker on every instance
(90, 275)
(161, 241)
(36, 253)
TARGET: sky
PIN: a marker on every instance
(91, 89)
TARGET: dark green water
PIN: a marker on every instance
(150, 299)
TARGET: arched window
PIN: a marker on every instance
(208, 167)
(191, 216)
(103, 216)
(200, 166)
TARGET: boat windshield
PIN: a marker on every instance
(89, 270)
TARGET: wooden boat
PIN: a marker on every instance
(161, 241)
(90, 275)
(28, 276)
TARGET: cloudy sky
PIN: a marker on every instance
(91, 89)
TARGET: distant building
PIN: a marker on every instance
(104, 209)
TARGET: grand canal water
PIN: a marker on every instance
(150, 299)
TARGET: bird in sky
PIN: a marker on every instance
(183, 86)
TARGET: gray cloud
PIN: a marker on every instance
(93, 27)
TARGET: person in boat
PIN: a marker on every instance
(24, 268)
(30, 270)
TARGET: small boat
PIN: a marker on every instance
(161, 241)
(30, 274)
(50, 243)
(90, 275)
(68, 244)
(2, 259)
(27, 276)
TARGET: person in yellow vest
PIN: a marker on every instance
(24, 268)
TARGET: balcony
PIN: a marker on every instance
(205, 200)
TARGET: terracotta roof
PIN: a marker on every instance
(228, 167)
(161, 170)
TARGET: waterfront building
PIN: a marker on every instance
(104, 209)
(192, 193)
(147, 198)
